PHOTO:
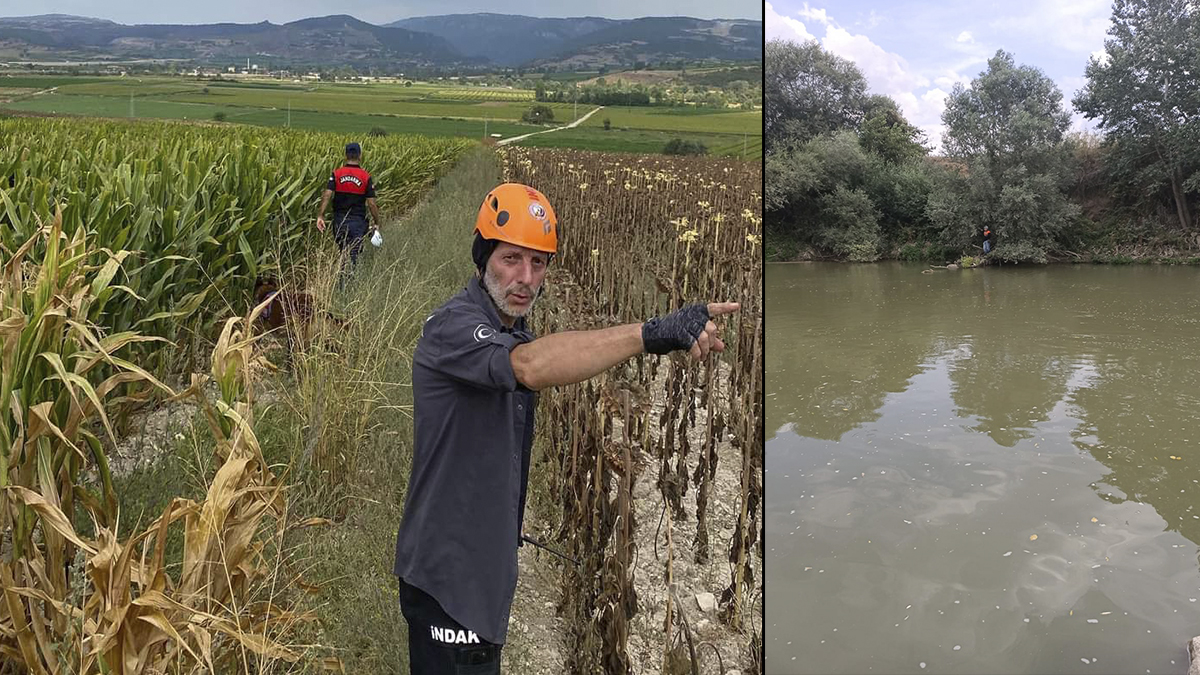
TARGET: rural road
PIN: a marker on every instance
(506, 141)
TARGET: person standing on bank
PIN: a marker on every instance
(353, 193)
(476, 373)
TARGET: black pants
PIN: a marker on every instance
(439, 645)
(348, 232)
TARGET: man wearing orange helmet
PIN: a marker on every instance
(476, 371)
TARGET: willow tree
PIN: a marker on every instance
(1145, 92)
(1008, 126)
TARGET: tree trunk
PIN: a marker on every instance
(1181, 207)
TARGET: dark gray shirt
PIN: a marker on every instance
(473, 429)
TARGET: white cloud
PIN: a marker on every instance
(817, 15)
(1079, 25)
(885, 71)
(1069, 85)
(964, 36)
(787, 28)
(890, 74)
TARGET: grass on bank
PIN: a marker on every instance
(339, 429)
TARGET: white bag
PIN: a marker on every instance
(377, 239)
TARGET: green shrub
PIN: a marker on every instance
(678, 146)
(538, 114)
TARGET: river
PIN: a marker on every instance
(982, 471)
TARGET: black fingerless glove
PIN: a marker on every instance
(677, 330)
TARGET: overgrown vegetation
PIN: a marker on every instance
(614, 269)
(200, 210)
(847, 177)
(679, 146)
(538, 114)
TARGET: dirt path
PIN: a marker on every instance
(572, 125)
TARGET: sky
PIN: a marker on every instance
(376, 11)
(916, 50)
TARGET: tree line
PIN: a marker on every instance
(735, 92)
(848, 177)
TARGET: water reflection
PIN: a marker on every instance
(982, 460)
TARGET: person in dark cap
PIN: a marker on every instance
(476, 372)
(353, 193)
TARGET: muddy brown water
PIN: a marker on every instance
(982, 471)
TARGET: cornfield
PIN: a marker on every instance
(117, 240)
(639, 237)
(110, 603)
(201, 209)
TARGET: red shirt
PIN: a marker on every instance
(351, 187)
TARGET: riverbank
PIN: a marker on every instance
(935, 255)
(1104, 234)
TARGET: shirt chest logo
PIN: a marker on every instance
(483, 332)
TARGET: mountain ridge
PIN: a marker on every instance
(470, 40)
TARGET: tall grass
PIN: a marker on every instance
(344, 423)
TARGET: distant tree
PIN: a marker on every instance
(1145, 91)
(377, 132)
(219, 116)
(538, 114)
(678, 146)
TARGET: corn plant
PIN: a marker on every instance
(201, 210)
(105, 603)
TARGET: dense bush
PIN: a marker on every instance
(678, 146)
(538, 114)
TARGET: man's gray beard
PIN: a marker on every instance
(498, 296)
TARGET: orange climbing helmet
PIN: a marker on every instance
(519, 215)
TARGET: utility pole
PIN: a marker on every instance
(485, 121)
(743, 145)
(131, 103)
(576, 102)
(289, 113)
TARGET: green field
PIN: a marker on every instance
(705, 120)
(47, 81)
(435, 109)
(645, 141)
(105, 106)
